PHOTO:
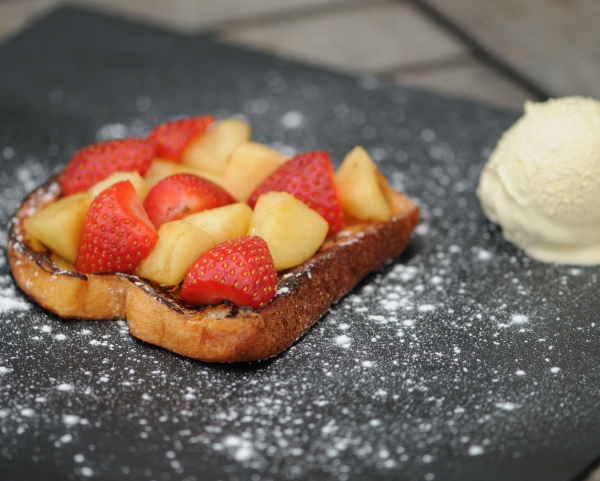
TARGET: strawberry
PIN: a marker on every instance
(310, 178)
(240, 271)
(97, 161)
(117, 234)
(171, 138)
(182, 194)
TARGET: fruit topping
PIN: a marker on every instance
(211, 151)
(96, 162)
(161, 169)
(293, 231)
(362, 188)
(223, 223)
(183, 194)
(117, 233)
(139, 184)
(310, 178)
(240, 271)
(172, 138)
(179, 245)
(248, 165)
(58, 225)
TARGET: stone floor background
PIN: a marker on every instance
(496, 52)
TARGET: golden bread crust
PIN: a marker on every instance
(222, 333)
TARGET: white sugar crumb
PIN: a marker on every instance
(484, 255)
(65, 387)
(476, 450)
(292, 120)
(343, 341)
(242, 448)
(506, 406)
(519, 319)
(520, 372)
(555, 370)
(10, 300)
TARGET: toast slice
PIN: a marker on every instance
(222, 333)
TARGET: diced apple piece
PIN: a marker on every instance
(58, 225)
(292, 230)
(161, 169)
(361, 187)
(248, 165)
(211, 150)
(139, 184)
(223, 223)
(61, 262)
(178, 246)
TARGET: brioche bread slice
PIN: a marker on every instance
(222, 333)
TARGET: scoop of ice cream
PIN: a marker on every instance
(542, 182)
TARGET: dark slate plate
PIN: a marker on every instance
(462, 360)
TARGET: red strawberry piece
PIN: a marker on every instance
(117, 234)
(310, 178)
(97, 161)
(240, 271)
(172, 138)
(183, 194)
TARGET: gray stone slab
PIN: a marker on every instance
(467, 78)
(182, 15)
(555, 44)
(375, 38)
(193, 15)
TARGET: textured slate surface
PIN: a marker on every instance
(463, 360)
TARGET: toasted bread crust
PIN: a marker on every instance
(220, 333)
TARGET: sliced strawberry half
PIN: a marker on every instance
(310, 178)
(240, 271)
(117, 234)
(171, 138)
(97, 161)
(182, 194)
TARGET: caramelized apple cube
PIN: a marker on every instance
(178, 246)
(139, 184)
(210, 151)
(223, 223)
(58, 225)
(292, 230)
(161, 169)
(362, 188)
(248, 165)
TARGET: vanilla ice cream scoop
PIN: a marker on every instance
(542, 182)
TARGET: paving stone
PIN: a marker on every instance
(194, 15)
(467, 78)
(372, 39)
(554, 43)
(17, 14)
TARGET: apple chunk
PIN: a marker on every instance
(223, 223)
(139, 184)
(211, 150)
(178, 246)
(248, 165)
(362, 188)
(292, 230)
(58, 225)
(161, 169)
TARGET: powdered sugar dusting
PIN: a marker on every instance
(443, 358)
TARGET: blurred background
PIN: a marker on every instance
(495, 52)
